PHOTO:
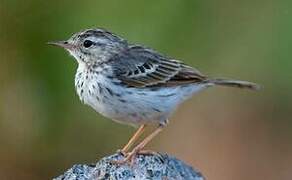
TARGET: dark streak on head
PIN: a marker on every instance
(167, 95)
(122, 101)
(98, 32)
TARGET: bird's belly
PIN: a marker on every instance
(127, 107)
(135, 106)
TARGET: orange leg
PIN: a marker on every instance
(133, 139)
(131, 156)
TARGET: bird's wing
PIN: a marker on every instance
(141, 67)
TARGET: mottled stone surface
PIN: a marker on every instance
(144, 167)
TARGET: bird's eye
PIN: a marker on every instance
(87, 43)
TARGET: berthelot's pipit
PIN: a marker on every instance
(132, 84)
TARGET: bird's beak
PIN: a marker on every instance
(63, 44)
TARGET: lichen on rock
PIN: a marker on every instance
(144, 167)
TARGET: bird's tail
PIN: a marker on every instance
(234, 83)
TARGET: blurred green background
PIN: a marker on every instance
(225, 133)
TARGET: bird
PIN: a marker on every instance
(133, 84)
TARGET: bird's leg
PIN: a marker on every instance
(133, 139)
(131, 156)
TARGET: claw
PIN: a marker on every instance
(123, 153)
(129, 157)
(149, 153)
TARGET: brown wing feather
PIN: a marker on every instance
(142, 67)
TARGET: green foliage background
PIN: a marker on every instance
(226, 133)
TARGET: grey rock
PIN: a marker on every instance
(145, 167)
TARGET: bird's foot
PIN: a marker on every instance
(122, 152)
(148, 153)
(130, 156)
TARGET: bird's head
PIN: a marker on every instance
(92, 46)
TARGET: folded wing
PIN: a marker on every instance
(141, 67)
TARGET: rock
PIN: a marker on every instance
(145, 167)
